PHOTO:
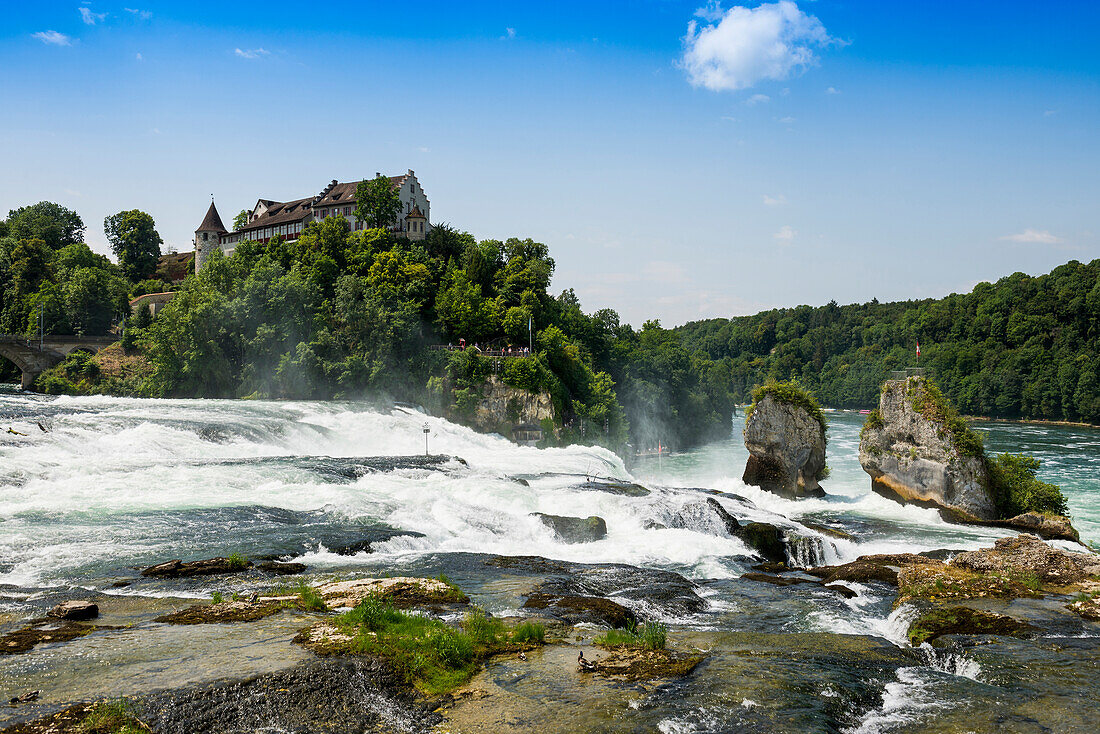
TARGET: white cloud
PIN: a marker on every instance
(757, 99)
(1036, 236)
(251, 53)
(53, 38)
(832, 90)
(509, 33)
(89, 17)
(780, 200)
(139, 57)
(786, 234)
(786, 120)
(1050, 113)
(143, 14)
(742, 46)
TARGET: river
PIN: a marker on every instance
(93, 488)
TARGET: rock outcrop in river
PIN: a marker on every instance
(917, 450)
(785, 436)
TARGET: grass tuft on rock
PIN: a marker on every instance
(309, 599)
(236, 560)
(791, 393)
(649, 636)
(111, 717)
(430, 654)
(927, 400)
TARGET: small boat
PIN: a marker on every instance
(865, 412)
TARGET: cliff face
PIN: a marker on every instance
(502, 407)
(912, 457)
(786, 449)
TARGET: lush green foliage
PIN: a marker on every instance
(1017, 490)
(428, 653)
(134, 240)
(48, 280)
(1024, 347)
(791, 393)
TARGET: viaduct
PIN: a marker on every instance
(34, 356)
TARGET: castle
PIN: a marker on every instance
(287, 219)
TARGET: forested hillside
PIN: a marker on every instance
(1023, 347)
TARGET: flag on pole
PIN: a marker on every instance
(918, 348)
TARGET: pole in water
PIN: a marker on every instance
(427, 430)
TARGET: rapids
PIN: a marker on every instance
(92, 489)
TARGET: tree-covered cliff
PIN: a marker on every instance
(1023, 347)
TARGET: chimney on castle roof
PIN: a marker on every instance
(377, 174)
(411, 172)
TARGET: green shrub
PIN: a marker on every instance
(217, 597)
(792, 394)
(1017, 490)
(874, 422)
(236, 560)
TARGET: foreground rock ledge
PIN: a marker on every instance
(786, 449)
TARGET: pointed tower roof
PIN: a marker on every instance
(212, 222)
(415, 213)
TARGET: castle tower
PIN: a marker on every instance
(414, 224)
(208, 236)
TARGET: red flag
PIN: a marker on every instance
(918, 349)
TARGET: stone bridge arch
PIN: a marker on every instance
(34, 356)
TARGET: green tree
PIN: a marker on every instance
(52, 223)
(377, 202)
(241, 219)
(134, 240)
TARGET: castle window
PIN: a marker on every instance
(205, 236)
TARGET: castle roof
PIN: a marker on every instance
(280, 212)
(344, 193)
(212, 222)
(415, 213)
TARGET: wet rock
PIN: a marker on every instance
(771, 567)
(731, 523)
(1088, 606)
(281, 569)
(828, 530)
(670, 592)
(365, 540)
(574, 529)
(882, 567)
(1050, 527)
(786, 449)
(964, 621)
(42, 631)
(402, 591)
(578, 609)
(766, 539)
(176, 569)
(912, 456)
(630, 664)
(529, 564)
(329, 696)
(75, 610)
(1029, 555)
(613, 486)
(223, 613)
(843, 590)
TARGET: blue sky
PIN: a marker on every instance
(770, 154)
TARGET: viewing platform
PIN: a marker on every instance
(507, 353)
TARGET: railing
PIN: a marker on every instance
(907, 373)
(513, 353)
